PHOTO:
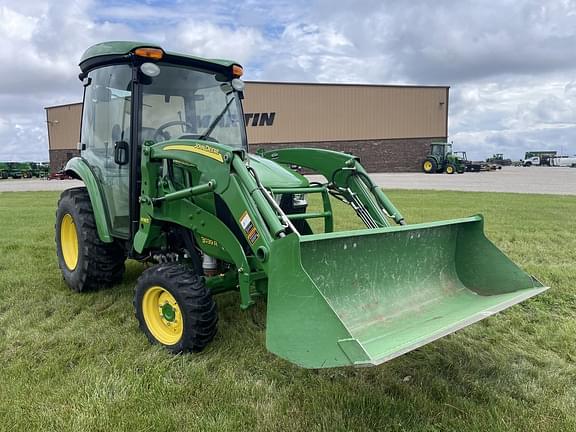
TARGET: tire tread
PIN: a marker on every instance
(101, 264)
(194, 299)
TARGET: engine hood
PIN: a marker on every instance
(273, 175)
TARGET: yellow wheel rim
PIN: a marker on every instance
(162, 315)
(427, 166)
(450, 170)
(69, 241)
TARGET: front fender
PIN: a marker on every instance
(79, 169)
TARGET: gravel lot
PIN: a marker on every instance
(31, 185)
(539, 180)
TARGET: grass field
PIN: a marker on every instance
(71, 362)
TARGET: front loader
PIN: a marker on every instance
(169, 181)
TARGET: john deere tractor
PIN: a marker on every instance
(168, 180)
(442, 159)
(4, 170)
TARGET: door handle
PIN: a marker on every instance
(121, 153)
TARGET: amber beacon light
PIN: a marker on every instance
(151, 53)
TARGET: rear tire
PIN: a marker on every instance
(175, 309)
(86, 262)
(429, 166)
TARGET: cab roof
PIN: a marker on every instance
(107, 52)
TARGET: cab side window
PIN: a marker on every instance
(105, 123)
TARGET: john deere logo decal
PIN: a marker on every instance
(202, 149)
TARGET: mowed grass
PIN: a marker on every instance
(78, 362)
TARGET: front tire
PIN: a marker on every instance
(175, 309)
(86, 262)
(450, 169)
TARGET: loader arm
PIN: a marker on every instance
(346, 178)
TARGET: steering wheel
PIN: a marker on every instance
(197, 137)
(159, 132)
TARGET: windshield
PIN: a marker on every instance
(187, 103)
(438, 149)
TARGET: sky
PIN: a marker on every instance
(510, 65)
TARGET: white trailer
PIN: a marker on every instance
(563, 161)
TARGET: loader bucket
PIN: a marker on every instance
(364, 297)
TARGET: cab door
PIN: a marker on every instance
(105, 139)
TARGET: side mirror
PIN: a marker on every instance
(121, 153)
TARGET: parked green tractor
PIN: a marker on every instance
(498, 159)
(169, 181)
(26, 169)
(19, 170)
(4, 170)
(14, 170)
(442, 160)
(39, 169)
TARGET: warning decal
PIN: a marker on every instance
(248, 227)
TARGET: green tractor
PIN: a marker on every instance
(44, 169)
(19, 170)
(498, 159)
(169, 181)
(33, 167)
(4, 170)
(39, 169)
(14, 170)
(26, 169)
(442, 160)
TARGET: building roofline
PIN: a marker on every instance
(62, 105)
(296, 83)
(347, 84)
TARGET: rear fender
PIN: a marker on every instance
(79, 169)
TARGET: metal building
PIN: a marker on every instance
(388, 127)
(63, 133)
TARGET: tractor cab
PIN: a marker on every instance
(461, 155)
(143, 95)
(440, 150)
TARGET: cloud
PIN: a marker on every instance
(210, 40)
(510, 64)
(514, 116)
(43, 43)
